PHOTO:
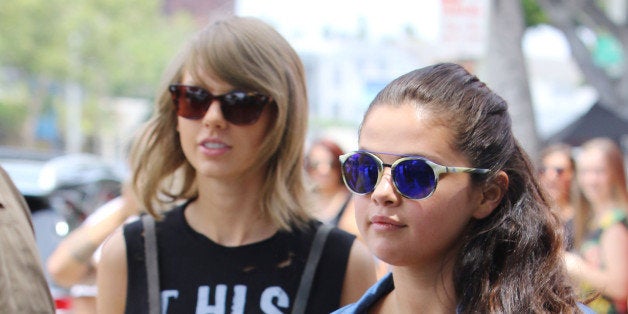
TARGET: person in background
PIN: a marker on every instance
(219, 166)
(23, 286)
(73, 264)
(601, 226)
(557, 175)
(332, 201)
(445, 194)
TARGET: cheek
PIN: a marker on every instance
(187, 131)
(361, 203)
(455, 202)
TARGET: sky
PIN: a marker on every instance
(556, 104)
(384, 17)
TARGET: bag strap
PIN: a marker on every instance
(303, 294)
(152, 268)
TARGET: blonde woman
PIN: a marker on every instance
(230, 123)
(602, 226)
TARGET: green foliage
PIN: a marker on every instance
(31, 39)
(533, 13)
(112, 48)
(11, 116)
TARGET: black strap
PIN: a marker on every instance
(152, 269)
(303, 294)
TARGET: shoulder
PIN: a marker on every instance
(613, 217)
(169, 218)
(361, 263)
(114, 248)
(585, 309)
(338, 244)
(341, 237)
(614, 225)
(383, 287)
(112, 274)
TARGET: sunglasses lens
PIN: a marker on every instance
(360, 172)
(237, 107)
(414, 178)
(192, 102)
(242, 108)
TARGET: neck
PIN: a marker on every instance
(230, 214)
(420, 291)
(603, 206)
(565, 209)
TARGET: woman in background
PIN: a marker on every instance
(557, 175)
(601, 226)
(332, 201)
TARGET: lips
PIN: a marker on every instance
(385, 222)
(213, 147)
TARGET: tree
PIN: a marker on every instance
(504, 68)
(105, 48)
(36, 50)
(571, 17)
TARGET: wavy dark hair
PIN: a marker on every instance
(510, 261)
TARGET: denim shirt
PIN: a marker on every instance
(383, 287)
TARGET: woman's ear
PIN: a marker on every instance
(492, 194)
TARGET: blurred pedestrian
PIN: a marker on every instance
(557, 175)
(447, 196)
(332, 200)
(23, 286)
(73, 264)
(601, 226)
(224, 154)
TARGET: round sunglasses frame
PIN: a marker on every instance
(436, 169)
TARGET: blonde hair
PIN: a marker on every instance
(249, 54)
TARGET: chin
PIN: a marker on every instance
(389, 255)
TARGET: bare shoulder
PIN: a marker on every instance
(360, 273)
(112, 275)
(616, 235)
(114, 248)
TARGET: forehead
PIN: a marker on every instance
(405, 129)
(592, 158)
(557, 158)
(320, 151)
(207, 80)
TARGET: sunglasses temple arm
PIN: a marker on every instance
(464, 169)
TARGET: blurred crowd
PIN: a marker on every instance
(587, 185)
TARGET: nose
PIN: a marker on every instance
(385, 193)
(214, 117)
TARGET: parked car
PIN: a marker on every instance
(61, 191)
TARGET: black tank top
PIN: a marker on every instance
(198, 275)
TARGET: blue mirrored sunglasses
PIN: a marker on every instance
(413, 177)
